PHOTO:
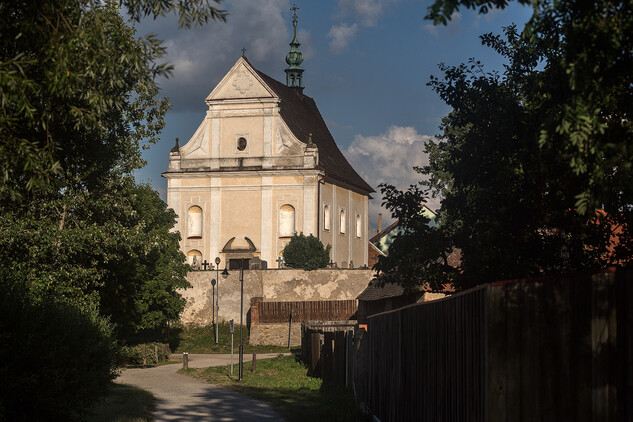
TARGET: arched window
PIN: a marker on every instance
(194, 222)
(359, 228)
(342, 221)
(286, 221)
(194, 258)
(326, 217)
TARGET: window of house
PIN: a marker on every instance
(359, 228)
(326, 217)
(342, 221)
(286, 221)
(194, 222)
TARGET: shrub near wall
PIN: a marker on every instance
(56, 360)
(133, 355)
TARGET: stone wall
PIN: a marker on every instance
(275, 334)
(271, 285)
(325, 284)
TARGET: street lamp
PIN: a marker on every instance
(213, 306)
(241, 320)
(217, 303)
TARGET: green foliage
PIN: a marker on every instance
(133, 355)
(306, 252)
(419, 255)
(56, 358)
(78, 89)
(534, 164)
(112, 247)
(585, 86)
(78, 238)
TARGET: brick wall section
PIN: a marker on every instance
(275, 334)
(255, 309)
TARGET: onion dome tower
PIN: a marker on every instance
(294, 72)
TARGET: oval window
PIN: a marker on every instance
(241, 144)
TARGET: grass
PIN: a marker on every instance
(125, 403)
(202, 340)
(283, 382)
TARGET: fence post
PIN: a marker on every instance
(290, 327)
(315, 353)
(185, 360)
(254, 362)
(156, 353)
(144, 355)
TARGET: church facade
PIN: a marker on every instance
(261, 167)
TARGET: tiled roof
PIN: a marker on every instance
(373, 292)
(303, 117)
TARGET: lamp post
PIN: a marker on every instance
(213, 306)
(217, 303)
(241, 365)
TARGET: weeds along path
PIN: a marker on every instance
(183, 398)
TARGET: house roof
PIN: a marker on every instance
(383, 239)
(373, 292)
(303, 117)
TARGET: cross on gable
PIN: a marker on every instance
(280, 262)
(243, 52)
(294, 9)
(205, 264)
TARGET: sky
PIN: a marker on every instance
(367, 64)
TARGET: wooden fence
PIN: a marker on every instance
(321, 310)
(325, 347)
(549, 349)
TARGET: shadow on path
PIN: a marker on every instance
(179, 397)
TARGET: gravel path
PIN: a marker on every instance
(183, 398)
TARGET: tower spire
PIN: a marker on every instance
(294, 72)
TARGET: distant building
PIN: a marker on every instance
(375, 299)
(261, 167)
(384, 238)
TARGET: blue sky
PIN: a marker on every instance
(367, 63)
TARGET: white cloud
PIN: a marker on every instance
(453, 26)
(432, 29)
(201, 56)
(363, 14)
(367, 11)
(389, 158)
(341, 35)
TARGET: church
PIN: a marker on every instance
(261, 167)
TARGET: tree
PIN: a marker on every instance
(306, 252)
(78, 90)
(587, 48)
(533, 169)
(81, 245)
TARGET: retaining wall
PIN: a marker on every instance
(271, 285)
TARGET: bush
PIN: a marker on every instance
(133, 355)
(306, 252)
(56, 359)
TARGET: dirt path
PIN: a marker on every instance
(182, 398)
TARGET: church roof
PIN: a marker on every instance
(303, 118)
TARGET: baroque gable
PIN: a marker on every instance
(242, 81)
(198, 145)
